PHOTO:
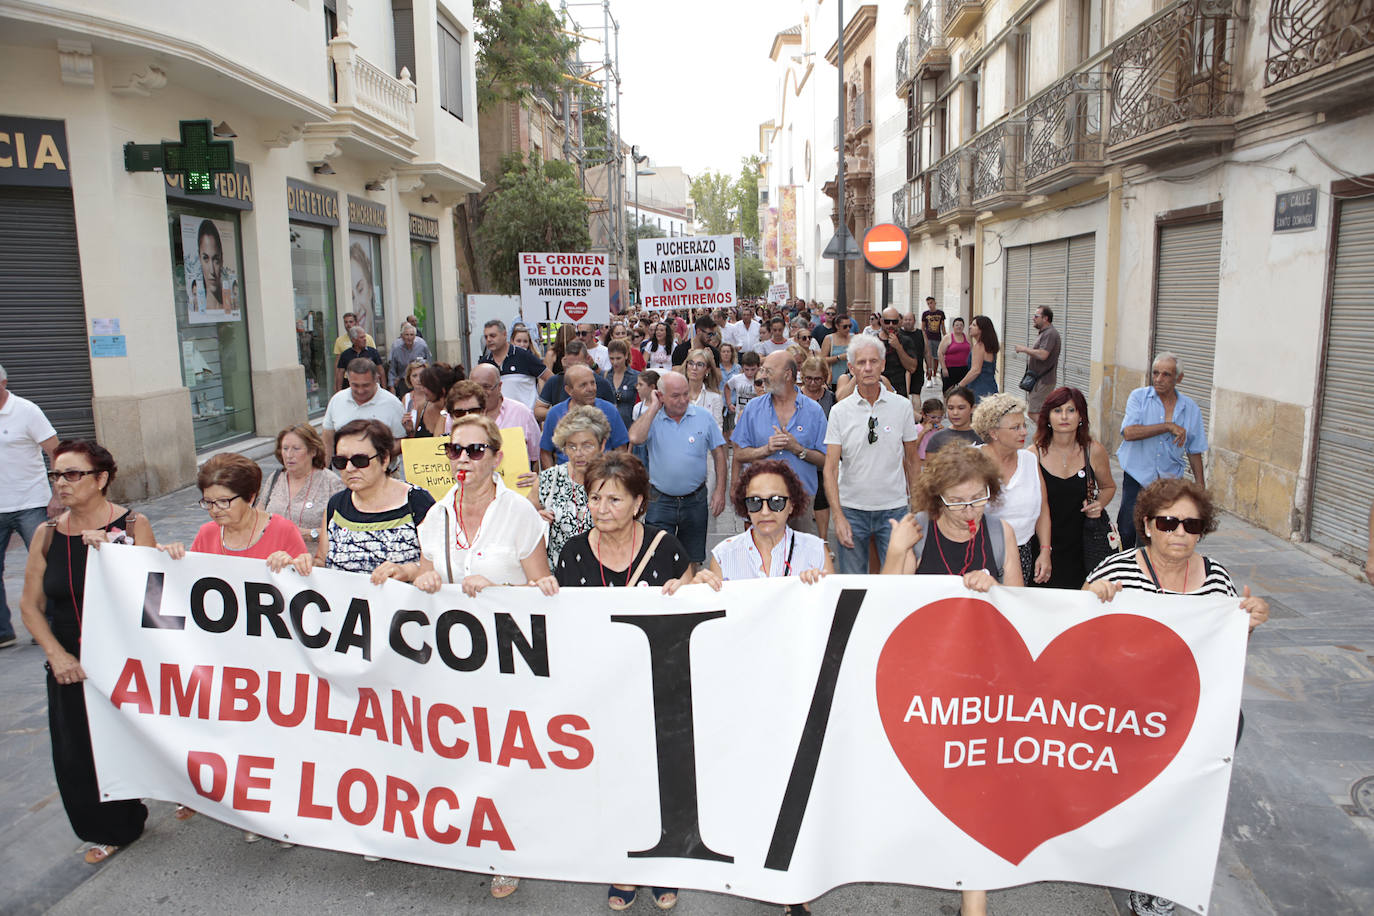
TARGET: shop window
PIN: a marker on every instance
(422, 286)
(312, 283)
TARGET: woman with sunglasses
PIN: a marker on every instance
(1172, 515)
(52, 603)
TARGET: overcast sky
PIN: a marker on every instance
(696, 80)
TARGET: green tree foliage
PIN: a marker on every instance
(746, 192)
(521, 49)
(632, 237)
(593, 126)
(750, 280)
(536, 206)
(714, 196)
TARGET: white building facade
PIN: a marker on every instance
(354, 132)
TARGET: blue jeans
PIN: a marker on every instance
(866, 525)
(684, 517)
(26, 522)
(1125, 516)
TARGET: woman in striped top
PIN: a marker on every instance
(1174, 514)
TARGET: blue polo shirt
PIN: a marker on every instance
(680, 449)
(756, 422)
(619, 435)
(1147, 460)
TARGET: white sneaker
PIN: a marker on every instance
(250, 837)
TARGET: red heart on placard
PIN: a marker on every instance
(575, 310)
(1045, 776)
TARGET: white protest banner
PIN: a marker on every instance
(687, 272)
(779, 293)
(565, 287)
(772, 740)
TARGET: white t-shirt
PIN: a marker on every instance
(767, 346)
(383, 406)
(1020, 505)
(739, 558)
(23, 475)
(872, 474)
(511, 530)
(743, 336)
(601, 356)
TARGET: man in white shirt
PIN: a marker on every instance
(521, 371)
(507, 413)
(26, 499)
(874, 432)
(744, 334)
(590, 334)
(363, 399)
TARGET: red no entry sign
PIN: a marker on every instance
(885, 246)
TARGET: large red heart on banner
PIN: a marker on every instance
(575, 310)
(1077, 731)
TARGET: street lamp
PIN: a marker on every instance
(635, 155)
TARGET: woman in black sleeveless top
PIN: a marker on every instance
(1078, 480)
(53, 605)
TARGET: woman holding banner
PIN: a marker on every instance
(302, 488)
(953, 493)
(53, 599)
(622, 551)
(1173, 514)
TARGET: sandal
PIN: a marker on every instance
(97, 854)
(619, 898)
(795, 909)
(665, 898)
(183, 813)
(503, 886)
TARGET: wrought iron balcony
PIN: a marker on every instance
(859, 116)
(903, 65)
(899, 207)
(1172, 86)
(996, 166)
(931, 55)
(1064, 143)
(961, 16)
(1321, 54)
(952, 193)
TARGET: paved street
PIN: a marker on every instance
(1296, 841)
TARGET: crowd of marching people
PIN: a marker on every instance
(883, 449)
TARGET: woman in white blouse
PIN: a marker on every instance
(486, 534)
(1000, 420)
(767, 493)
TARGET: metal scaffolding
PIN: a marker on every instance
(600, 161)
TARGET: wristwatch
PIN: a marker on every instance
(801, 453)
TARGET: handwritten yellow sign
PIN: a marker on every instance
(427, 466)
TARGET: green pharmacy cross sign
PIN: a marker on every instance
(196, 158)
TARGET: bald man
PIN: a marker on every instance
(505, 412)
(899, 363)
(580, 384)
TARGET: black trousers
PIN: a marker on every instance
(112, 823)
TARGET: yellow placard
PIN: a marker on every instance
(427, 466)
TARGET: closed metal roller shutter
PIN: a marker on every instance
(1049, 281)
(1076, 323)
(1186, 286)
(937, 286)
(1015, 313)
(1344, 461)
(43, 347)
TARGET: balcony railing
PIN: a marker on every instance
(1175, 70)
(1064, 124)
(859, 117)
(1307, 34)
(950, 185)
(903, 63)
(961, 16)
(930, 36)
(996, 164)
(899, 207)
(368, 88)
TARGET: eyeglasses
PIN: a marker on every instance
(69, 476)
(695, 364)
(475, 450)
(977, 503)
(463, 411)
(581, 448)
(1018, 428)
(220, 504)
(1169, 523)
(755, 503)
(360, 461)
(816, 379)
(872, 430)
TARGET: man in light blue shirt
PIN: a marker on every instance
(581, 387)
(681, 438)
(1163, 435)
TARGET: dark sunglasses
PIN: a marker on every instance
(755, 503)
(1169, 523)
(872, 430)
(475, 450)
(360, 461)
(69, 476)
(892, 321)
(467, 411)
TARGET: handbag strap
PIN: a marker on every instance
(448, 553)
(1093, 489)
(648, 555)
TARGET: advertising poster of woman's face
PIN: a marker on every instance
(363, 281)
(210, 261)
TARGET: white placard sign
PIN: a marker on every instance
(687, 272)
(571, 286)
(772, 740)
(779, 293)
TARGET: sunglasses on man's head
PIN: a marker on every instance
(476, 450)
(339, 462)
(755, 503)
(1169, 523)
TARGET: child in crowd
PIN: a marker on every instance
(931, 419)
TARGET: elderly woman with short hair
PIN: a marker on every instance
(561, 496)
(1000, 421)
(301, 489)
(1173, 515)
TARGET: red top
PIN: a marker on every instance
(637, 361)
(281, 534)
